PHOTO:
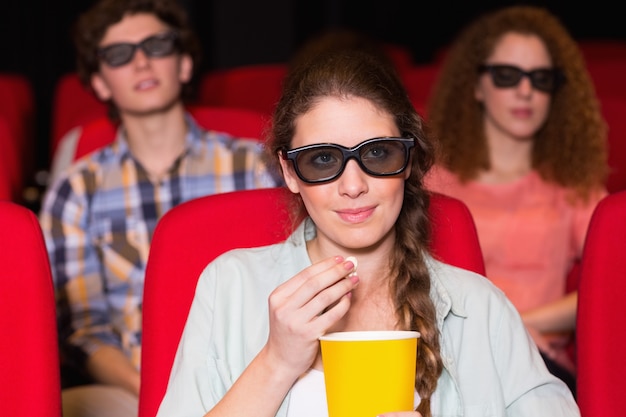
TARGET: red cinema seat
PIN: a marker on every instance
(419, 81)
(73, 105)
(614, 111)
(242, 219)
(30, 381)
(17, 109)
(255, 87)
(599, 322)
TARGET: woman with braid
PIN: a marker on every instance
(353, 152)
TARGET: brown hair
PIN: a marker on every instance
(92, 25)
(346, 73)
(338, 38)
(570, 149)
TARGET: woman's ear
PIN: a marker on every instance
(100, 87)
(288, 174)
(479, 94)
(407, 171)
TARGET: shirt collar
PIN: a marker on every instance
(193, 139)
(445, 298)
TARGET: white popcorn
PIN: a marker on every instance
(353, 260)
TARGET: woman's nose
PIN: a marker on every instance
(353, 180)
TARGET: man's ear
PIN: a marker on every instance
(185, 68)
(100, 87)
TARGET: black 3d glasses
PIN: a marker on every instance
(322, 162)
(507, 76)
(159, 45)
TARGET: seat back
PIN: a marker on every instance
(613, 111)
(600, 335)
(192, 234)
(17, 108)
(30, 382)
(608, 77)
(255, 87)
(94, 135)
(606, 49)
(454, 238)
(11, 169)
(5, 182)
(400, 55)
(419, 81)
(73, 105)
(236, 121)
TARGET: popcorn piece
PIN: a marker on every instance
(354, 261)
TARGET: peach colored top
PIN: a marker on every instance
(529, 232)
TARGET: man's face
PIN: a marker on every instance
(148, 82)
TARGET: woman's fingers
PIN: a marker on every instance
(295, 310)
(314, 280)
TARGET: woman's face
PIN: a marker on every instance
(518, 111)
(355, 210)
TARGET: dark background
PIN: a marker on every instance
(34, 35)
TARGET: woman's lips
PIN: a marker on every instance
(522, 113)
(356, 215)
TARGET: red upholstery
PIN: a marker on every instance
(400, 55)
(608, 77)
(73, 105)
(600, 334)
(192, 234)
(11, 166)
(5, 186)
(94, 135)
(419, 81)
(454, 236)
(239, 122)
(614, 111)
(7, 162)
(30, 382)
(17, 109)
(603, 49)
(255, 87)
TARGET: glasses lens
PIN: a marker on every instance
(384, 157)
(158, 45)
(544, 79)
(118, 54)
(318, 164)
(505, 76)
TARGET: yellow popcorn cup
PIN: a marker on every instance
(368, 373)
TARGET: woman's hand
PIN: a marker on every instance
(304, 308)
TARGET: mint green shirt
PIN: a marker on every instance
(492, 367)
